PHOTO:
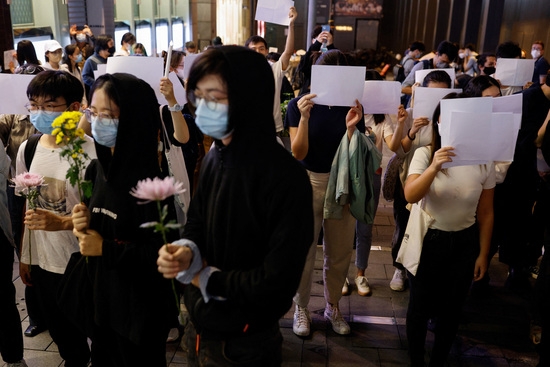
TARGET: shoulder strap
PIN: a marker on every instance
(30, 148)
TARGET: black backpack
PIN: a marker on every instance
(399, 71)
(30, 148)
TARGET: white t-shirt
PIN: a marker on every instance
(454, 193)
(51, 250)
(278, 74)
(381, 130)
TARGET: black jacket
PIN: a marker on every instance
(252, 214)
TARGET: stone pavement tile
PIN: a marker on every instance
(370, 306)
(393, 357)
(292, 348)
(340, 353)
(374, 271)
(380, 257)
(375, 336)
(39, 358)
(317, 287)
(42, 341)
(175, 355)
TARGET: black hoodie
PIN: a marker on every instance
(127, 292)
(252, 214)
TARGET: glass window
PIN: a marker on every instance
(177, 33)
(162, 35)
(144, 35)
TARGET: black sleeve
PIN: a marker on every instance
(546, 146)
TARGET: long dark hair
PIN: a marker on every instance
(477, 85)
(69, 51)
(436, 138)
(26, 53)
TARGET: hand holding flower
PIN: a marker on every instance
(80, 217)
(40, 219)
(173, 259)
(90, 242)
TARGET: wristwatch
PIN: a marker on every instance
(175, 108)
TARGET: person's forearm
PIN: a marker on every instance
(289, 47)
(299, 139)
(417, 186)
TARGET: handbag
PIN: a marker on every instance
(411, 246)
(177, 170)
(391, 176)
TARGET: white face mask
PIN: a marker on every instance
(462, 55)
(535, 54)
(179, 73)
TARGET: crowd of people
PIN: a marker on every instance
(102, 283)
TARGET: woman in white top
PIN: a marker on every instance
(456, 246)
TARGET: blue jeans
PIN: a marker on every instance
(363, 231)
(439, 289)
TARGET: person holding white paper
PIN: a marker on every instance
(259, 44)
(508, 50)
(455, 247)
(315, 135)
(381, 127)
(415, 134)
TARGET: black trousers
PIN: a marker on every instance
(401, 216)
(71, 342)
(438, 291)
(11, 335)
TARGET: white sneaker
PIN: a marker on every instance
(345, 288)
(173, 335)
(21, 363)
(363, 287)
(339, 325)
(302, 321)
(398, 281)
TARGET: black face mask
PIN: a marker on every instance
(489, 70)
(112, 50)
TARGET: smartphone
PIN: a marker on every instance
(326, 28)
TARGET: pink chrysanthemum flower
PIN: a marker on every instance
(27, 179)
(156, 189)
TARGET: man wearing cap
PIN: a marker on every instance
(54, 53)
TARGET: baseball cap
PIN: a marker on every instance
(52, 46)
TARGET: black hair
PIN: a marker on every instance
(255, 39)
(482, 59)
(449, 49)
(26, 53)
(477, 85)
(141, 47)
(56, 83)
(332, 57)
(217, 41)
(128, 37)
(190, 44)
(462, 81)
(102, 42)
(69, 51)
(539, 42)
(470, 46)
(273, 56)
(371, 74)
(417, 45)
(508, 50)
(437, 76)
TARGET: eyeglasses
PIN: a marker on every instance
(211, 102)
(102, 118)
(48, 108)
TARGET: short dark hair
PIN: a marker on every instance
(190, 44)
(539, 43)
(255, 39)
(417, 45)
(482, 59)
(477, 85)
(449, 49)
(462, 81)
(217, 41)
(128, 37)
(102, 42)
(437, 76)
(470, 46)
(508, 50)
(54, 84)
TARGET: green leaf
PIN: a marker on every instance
(87, 187)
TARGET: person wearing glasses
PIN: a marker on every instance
(48, 241)
(250, 222)
(130, 305)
